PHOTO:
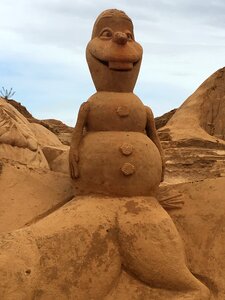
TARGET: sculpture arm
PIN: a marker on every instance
(76, 139)
(152, 134)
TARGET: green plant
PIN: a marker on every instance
(6, 94)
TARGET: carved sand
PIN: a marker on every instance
(113, 240)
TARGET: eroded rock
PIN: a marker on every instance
(200, 119)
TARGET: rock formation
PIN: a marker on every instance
(194, 151)
(161, 121)
(200, 119)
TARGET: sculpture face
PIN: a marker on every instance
(113, 56)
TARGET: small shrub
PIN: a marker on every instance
(7, 94)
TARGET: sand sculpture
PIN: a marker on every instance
(115, 116)
(120, 155)
(113, 240)
(17, 141)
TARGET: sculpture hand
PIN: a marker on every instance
(172, 202)
(73, 163)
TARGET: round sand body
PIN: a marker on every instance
(118, 163)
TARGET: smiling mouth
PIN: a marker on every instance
(118, 65)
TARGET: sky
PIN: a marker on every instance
(42, 51)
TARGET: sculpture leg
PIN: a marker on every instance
(152, 249)
(75, 251)
(79, 250)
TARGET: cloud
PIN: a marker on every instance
(42, 50)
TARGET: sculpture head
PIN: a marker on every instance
(113, 55)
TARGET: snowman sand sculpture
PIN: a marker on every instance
(116, 154)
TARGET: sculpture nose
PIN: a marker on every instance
(120, 38)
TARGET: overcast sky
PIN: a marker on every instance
(42, 50)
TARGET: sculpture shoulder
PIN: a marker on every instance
(149, 112)
(85, 107)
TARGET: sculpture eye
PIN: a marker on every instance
(106, 34)
(129, 36)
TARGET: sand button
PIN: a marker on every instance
(126, 149)
(128, 169)
(123, 111)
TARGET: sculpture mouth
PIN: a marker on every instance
(117, 65)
